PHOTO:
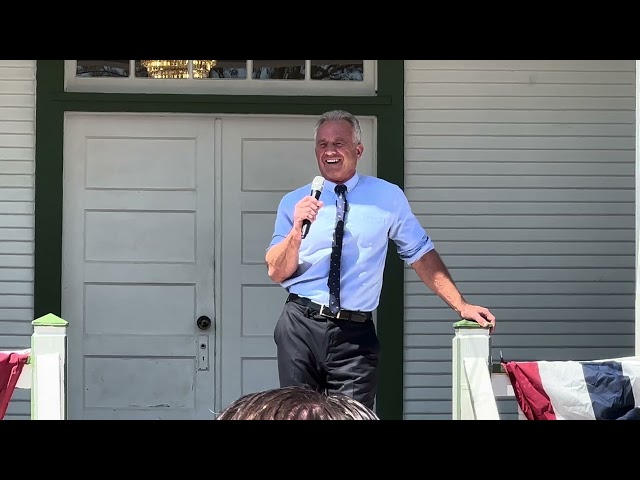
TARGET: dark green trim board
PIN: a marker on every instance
(390, 166)
(52, 103)
(48, 190)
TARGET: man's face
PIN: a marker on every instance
(336, 152)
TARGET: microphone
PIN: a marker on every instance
(316, 190)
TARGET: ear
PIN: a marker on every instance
(359, 150)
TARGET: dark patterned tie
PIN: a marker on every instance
(336, 251)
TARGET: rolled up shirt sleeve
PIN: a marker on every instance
(283, 223)
(410, 237)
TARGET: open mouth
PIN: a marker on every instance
(332, 161)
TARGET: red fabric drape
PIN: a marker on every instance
(11, 364)
(529, 392)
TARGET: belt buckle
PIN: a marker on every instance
(337, 316)
(325, 312)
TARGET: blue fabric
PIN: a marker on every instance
(377, 211)
(610, 390)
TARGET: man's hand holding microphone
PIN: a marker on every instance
(306, 210)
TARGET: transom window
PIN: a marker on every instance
(253, 77)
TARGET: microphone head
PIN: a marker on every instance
(318, 183)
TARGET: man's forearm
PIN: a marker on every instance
(433, 272)
(282, 259)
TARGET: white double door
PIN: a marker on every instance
(165, 221)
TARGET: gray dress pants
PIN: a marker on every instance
(330, 355)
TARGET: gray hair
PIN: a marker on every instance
(335, 115)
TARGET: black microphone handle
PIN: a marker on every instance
(306, 223)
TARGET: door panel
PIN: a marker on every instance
(262, 159)
(138, 263)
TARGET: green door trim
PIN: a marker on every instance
(387, 106)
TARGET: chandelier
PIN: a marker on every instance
(178, 68)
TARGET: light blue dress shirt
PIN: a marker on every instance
(377, 210)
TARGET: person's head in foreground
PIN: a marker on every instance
(296, 403)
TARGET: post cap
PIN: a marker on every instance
(49, 320)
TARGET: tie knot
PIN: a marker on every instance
(340, 189)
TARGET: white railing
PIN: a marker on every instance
(476, 381)
(45, 372)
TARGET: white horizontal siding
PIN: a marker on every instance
(17, 160)
(523, 174)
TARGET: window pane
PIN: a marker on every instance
(141, 70)
(162, 68)
(102, 68)
(202, 68)
(229, 69)
(278, 69)
(337, 70)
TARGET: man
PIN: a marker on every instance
(325, 335)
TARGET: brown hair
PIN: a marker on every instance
(296, 403)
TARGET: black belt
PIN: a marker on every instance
(323, 310)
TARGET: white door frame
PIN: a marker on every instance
(217, 125)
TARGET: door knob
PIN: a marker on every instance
(203, 322)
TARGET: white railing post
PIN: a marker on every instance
(470, 341)
(49, 365)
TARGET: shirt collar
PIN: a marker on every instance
(351, 184)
